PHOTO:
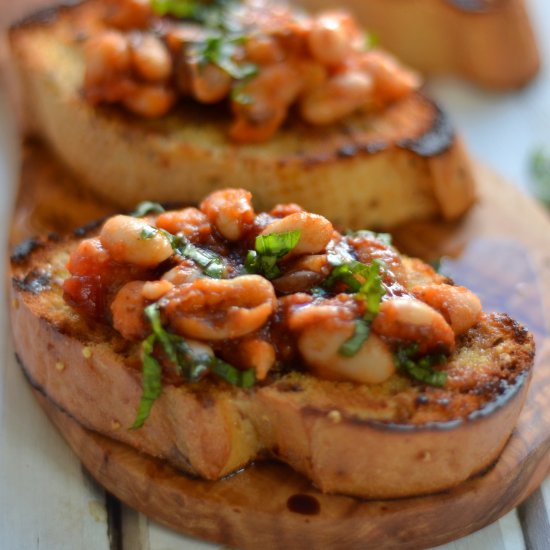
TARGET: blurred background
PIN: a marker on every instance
(502, 129)
(505, 130)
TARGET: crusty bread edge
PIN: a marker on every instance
(321, 444)
(416, 178)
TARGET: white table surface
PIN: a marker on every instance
(46, 500)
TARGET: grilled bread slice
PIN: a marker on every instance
(454, 37)
(379, 170)
(392, 439)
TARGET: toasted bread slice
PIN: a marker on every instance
(378, 170)
(394, 439)
(454, 37)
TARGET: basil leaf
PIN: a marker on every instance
(361, 279)
(373, 289)
(366, 283)
(178, 8)
(236, 377)
(277, 244)
(214, 14)
(220, 50)
(351, 346)
(211, 264)
(152, 313)
(269, 249)
(428, 375)
(147, 207)
(152, 382)
(148, 232)
(371, 40)
(193, 366)
(421, 369)
(347, 274)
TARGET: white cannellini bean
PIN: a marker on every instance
(460, 306)
(230, 211)
(315, 231)
(338, 97)
(221, 309)
(150, 58)
(133, 241)
(409, 319)
(320, 344)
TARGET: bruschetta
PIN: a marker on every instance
(165, 107)
(215, 337)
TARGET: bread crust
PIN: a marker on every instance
(377, 170)
(382, 441)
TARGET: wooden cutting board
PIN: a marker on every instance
(500, 249)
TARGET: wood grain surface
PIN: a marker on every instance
(500, 246)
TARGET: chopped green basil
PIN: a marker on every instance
(148, 232)
(269, 249)
(178, 8)
(147, 207)
(208, 12)
(361, 279)
(236, 377)
(366, 283)
(211, 264)
(277, 244)
(191, 365)
(152, 382)
(152, 313)
(371, 40)
(351, 346)
(421, 369)
(220, 50)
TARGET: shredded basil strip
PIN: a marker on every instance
(177, 8)
(211, 264)
(152, 313)
(268, 250)
(212, 14)
(371, 40)
(236, 377)
(277, 244)
(152, 382)
(366, 283)
(209, 261)
(351, 346)
(421, 369)
(147, 207)
(220, 50)
(208, 12)
(148, 232)
(191, 365)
